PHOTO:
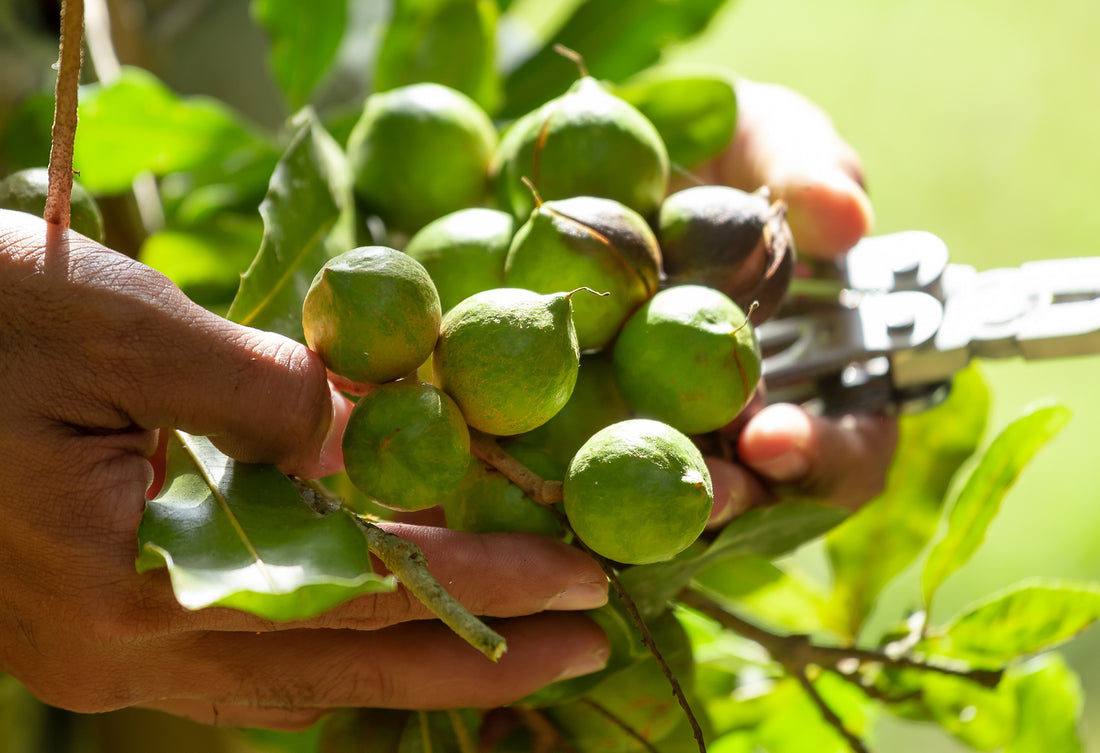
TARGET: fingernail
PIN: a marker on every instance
(786, 467)
(580, 596)
(586, 664)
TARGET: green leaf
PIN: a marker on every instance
(239, 535)
(980, 499)
(883, 538)
(25, 139)
(734, 742)
(137, 124)
(775, 530)
(205, 261)
(23, 718)
(766, 532)
(449, 42)
(1024, 619)
(309, 190)
(617, 39)
(981, 717)
(800, 728)
(272, 741)
(363, 731)
(199, 196)
(764, 593)
(694, 111)
(1048, 702)
(304, 39)
(978, 716)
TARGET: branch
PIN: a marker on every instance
(828, 657)
(406, 561)
(70, 55)
(827, 713)
(486, 449)
(409, 565)
(796, 653)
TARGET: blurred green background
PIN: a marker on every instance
(977, 121)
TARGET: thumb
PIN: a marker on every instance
(787, 143)
(259, 396)
(112, 345)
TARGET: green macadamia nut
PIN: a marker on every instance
(637, 492)
(372, 314)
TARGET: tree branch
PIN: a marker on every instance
(827, 713)
(485, 448)
(70, 56)
(828, 657)
(409, 565)
(796, 653)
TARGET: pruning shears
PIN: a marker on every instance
(888, 326)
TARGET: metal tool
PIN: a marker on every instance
(897, 321)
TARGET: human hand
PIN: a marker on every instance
(787, 143)
(99, 352)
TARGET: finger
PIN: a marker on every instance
(150, 356)
(418, 665)
(736, 490)
(234, 715)
(496, 575)
(787, 143)
(842, 460)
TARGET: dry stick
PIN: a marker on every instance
(573, 55)
(485, 448)
(70, 56)
(409, 565)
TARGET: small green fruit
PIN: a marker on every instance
(372, 314)
(25, 191)
(464, 252)
(595, 403)
(588, 242)
(406, 445)
(419, 152)
(730, 240)
(638, 491)
(509, 358)
(587, 142)
(688, 357)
